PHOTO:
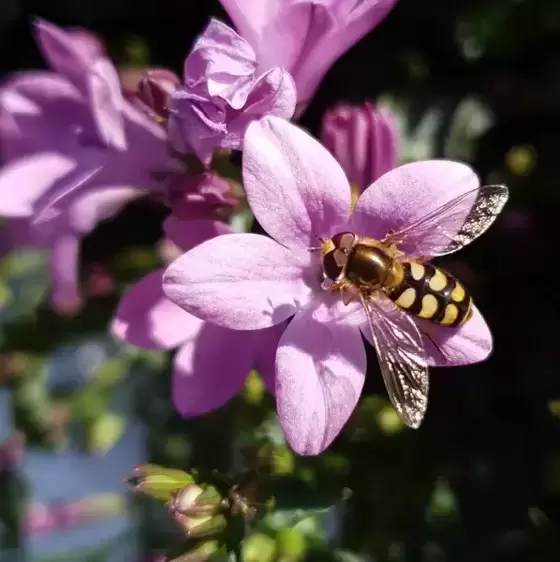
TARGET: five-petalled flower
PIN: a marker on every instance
(301, 196)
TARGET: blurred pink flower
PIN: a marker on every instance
(223, 92)
(364, 142)
(60, 516)
(212, 362)
(11, 450)
(304, 36)
(301, 196)
(76, 152)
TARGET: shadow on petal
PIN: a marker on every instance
(211, 367)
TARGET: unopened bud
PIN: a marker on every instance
(154, 90)
(158, 482)
(197, 510)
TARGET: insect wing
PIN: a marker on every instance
(456, 223)
(401, 356)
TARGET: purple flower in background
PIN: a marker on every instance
(364, 141)
(223, 92)
(76, 152)
(301, 196)
(212, 362)
(304, 36)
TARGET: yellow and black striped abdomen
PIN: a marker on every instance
(431, 293)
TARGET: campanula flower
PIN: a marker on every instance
(223, 91)
(212, 362)
(363, 140)
(76, 152)
(301, 196)
(304, 36)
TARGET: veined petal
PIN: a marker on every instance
(190, 233)
(296, 189)
(25, 180)
(320, 368)
(225, 60)
(470, 343)
(146, 318)
(242, 281)
(211, 367)
(406, 194)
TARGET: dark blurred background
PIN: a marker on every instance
(473, 80)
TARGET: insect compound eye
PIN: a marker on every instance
(344, 241)
(332, 266)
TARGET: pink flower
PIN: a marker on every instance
(304, 36)
(212, 362)
(364, 142)
(77, 152)
(223, 93)
(301, 196)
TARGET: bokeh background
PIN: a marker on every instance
(473, 80)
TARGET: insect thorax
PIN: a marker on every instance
(431, 293)
(368, 266)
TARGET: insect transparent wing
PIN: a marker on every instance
(455, 224)
(401, 356)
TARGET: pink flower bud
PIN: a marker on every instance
(364, 142)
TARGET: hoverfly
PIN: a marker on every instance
(380, 274)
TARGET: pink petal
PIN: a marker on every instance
(242, 281)
(27, 179)
(320, 373)
(146, 318)
(471, 343)
(211, 368)
(274, 93)
(404, 195)
(63, 52)
(107, 103)
(325, 44)
(190, 233)
(37, 110)
(250, 17)
(296, 189)
(225, 60)
(98, 205)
